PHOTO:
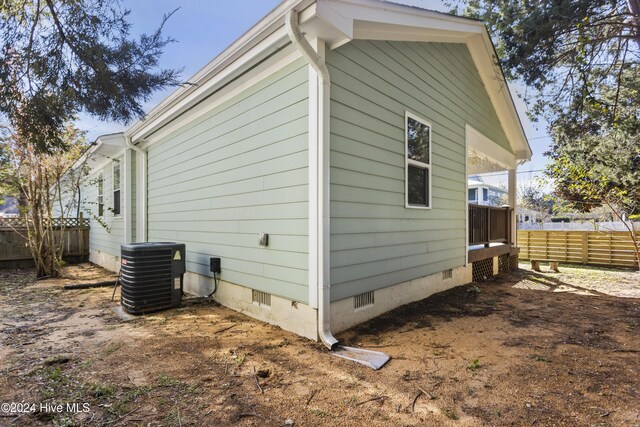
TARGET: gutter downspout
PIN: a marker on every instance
(140, 234)
(324, 82)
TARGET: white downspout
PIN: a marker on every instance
(324, 81)
(141, 192)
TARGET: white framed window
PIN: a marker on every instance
(100, 201)
(116, 188)
(417, 162)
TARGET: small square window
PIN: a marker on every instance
(417, 162)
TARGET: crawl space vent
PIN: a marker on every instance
(261, 298)
(363, 300)
(447, 274)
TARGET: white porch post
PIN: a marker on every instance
(512, 203)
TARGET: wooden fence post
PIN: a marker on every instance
(585, 247)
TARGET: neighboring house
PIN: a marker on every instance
(357, 171)
(481, 193)
(527, 216)
(9, 207)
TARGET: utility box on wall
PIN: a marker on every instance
(151, 276)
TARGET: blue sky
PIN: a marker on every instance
(204, 28)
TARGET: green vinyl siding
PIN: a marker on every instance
(107, 234)
(239, 170)
(376, 241)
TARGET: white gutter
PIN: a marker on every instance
(322, 156)
(141, 191)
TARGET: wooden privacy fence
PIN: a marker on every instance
(613, 248)
(14, 251)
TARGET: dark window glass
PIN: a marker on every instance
(485, 194)
(473, 194)
(116, 202)
(100, 195)
(116, 189)
(418, 184)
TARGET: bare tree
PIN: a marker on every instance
(46, 184)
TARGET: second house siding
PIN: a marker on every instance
(237, 171)
(376, 241)
(107, 232)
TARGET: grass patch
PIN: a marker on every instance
(451, 414)
(474, 365)
(194, 389)
(122, 405)
(173, 418)
(318, 413)
(53, 374)
(56, 360)
(101, 390)
(239, 359)
(165, 380)
(112, 348)
(539, 358)
(473, 290)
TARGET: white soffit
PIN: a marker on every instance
(481, 147)
(104, 147)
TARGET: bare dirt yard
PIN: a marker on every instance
(526, 349)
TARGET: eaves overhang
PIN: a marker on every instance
(337, 22)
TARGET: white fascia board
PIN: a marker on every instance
(393, 13)
(202, 90)
(485, 58)
(111, 139)
(86, 157)
(115, 139)
(486, 148)
(374, 31)
(264, 34)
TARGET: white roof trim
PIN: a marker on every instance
(485, 57)
(104, 145)
(255, 41)
(337, 22)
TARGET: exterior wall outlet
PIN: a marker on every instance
(263, 239)
(214, 265)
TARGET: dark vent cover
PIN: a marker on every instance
(151, 276)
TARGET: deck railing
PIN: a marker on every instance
(489, 224)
